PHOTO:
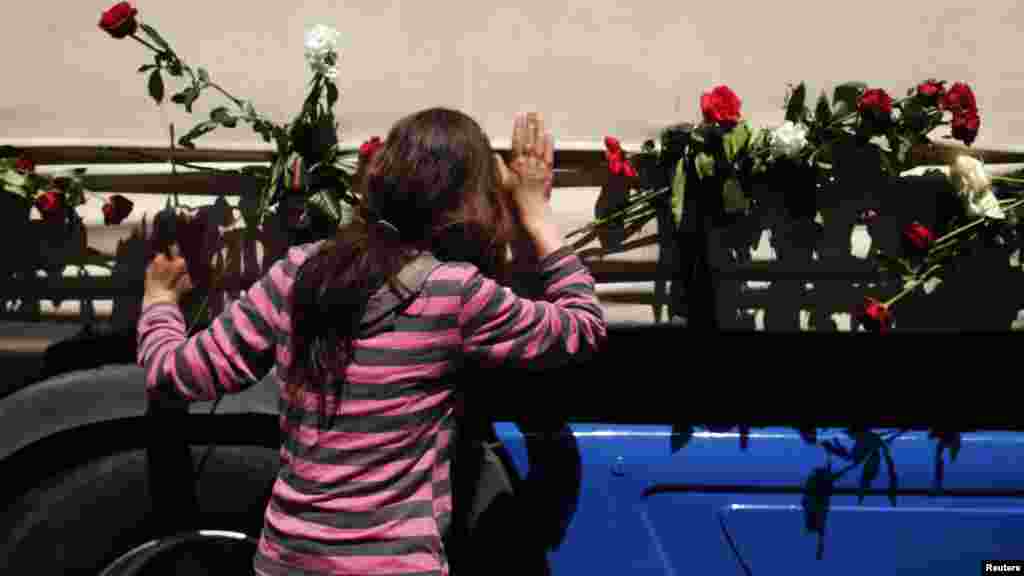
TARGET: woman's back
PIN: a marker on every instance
(374, 479)
(367, 401)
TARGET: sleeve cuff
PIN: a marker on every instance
(157, 305)
(555, 257)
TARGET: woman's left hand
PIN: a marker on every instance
(167, 279)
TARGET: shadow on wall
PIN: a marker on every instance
(983, 291)
(235, 262)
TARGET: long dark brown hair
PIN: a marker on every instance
(434, 179)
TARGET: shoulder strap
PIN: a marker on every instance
(410, 284)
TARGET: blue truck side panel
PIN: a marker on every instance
(644, 510)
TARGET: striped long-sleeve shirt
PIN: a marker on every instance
(370, 493)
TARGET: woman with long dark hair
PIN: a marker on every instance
(364, 332)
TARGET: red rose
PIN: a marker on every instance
(612, 145)
(918, 237)
(959, 98)
(24, 165)
(50, 204)
(369, 148)
(721, 106)
(119, 20)
(875, 100)
(868, 217)
(116, 209)
(931, 91)
(965, 126)
(874, 316)
(618, 165)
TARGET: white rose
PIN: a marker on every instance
(972, 183)
(788, 140)
(322, 49)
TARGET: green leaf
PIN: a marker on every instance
(681, 436)
(845, 97)
(324, 201)
(893, 479)
(734, 200)
(204, 76)
(197, 131)
(705, 165)
(332, 94)
(314, 96)
(736, 140)
(190, 99)
(868, 474)
(155, 36)
(256, 171)
(796, 104)
(823, 112)
(679, 191)
(223, 116)
(147, 67)
(156, 86)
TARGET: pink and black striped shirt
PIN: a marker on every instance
(369, 493)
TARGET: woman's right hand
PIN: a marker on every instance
(528, 180)
(529, 176)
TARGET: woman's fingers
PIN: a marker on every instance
(549, 150)
(536, 134)
(519, 136)
(505, 177)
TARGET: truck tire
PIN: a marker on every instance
(92, 511)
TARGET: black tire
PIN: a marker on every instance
(82, 518)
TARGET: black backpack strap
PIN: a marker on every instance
(410, 283)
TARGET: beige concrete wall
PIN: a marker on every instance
(595, 66)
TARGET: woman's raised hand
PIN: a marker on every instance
(528, 180)
(529, 176)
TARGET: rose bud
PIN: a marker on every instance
(917, 238)
(874, 316)
(868, 217)
(24, 165)
(959, 98)
(877, 103)
(119, 20)
(617, 163)
(51, 205)
(116, 209)
(369, 148)
(931, 91)
(721, 106)
(965, 126)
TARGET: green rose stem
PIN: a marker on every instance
(146, 44)
(853, 114)
(943, 241)
(636, 206)
(1007, 179)
(911, 286)
(238, 102)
